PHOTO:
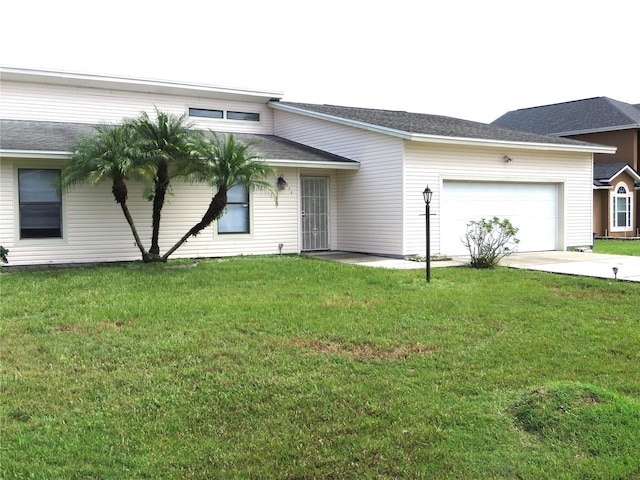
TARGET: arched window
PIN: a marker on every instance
(621, 205)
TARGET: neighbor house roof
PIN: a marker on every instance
(590, 115)
(435, 128)
(32, 139)
(605, 173)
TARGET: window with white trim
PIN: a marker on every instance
(621, 208)
(40, 204)
(236, 216)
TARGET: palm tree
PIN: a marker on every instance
(223, 162)
(166, 142)
(111, 153)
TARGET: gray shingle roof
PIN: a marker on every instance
(579, 116)
(424, 124)
(60, 137)
(603, 172)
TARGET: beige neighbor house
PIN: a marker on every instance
(616, 178)
(354, 177)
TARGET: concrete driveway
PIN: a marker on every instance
(568, 263)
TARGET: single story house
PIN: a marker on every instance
(602, 120)
(354, 177)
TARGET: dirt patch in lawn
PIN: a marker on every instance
(363, 351)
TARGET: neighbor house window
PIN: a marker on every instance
(621, 209)
(40, 203)
(252, 117)
(203, 112)
(236, 216)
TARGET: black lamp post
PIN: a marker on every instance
(427, 200)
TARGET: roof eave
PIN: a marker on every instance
(632, 173)
(137, 84)
(513, 144)
(334, 165)
(35, 154)
(631, 126)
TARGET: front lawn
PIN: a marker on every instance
(617, 247)
(292, 367)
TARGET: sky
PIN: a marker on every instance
(470, 59)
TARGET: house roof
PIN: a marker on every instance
(437, 128)
(605, 173)
(138, 85)
(27, 138)
(598, 114)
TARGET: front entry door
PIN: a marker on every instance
(315, 213)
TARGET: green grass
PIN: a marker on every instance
(292, 367)
(618, 247)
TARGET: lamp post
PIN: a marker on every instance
(427, 200)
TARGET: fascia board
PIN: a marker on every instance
(631, 126)
(513, 144)
(35, 154)
(136, 84)
(313, 164)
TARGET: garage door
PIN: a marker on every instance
(532, 207)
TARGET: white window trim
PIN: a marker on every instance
(629, 202)
(16, 206)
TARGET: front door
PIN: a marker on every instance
(315, 213)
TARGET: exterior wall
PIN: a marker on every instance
(94, 228)
(603, 212)
(60, 103)
(432, 164)
(369, 200)
(625, 140)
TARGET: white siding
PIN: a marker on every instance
(95, 229)
(369, 200)
(60, 103)
(432, 164)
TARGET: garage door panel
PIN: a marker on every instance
(530, 207)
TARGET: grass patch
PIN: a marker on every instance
(617, 247)
(597, 428)
(292, 367)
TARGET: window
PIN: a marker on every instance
(236, 216)
(203, 112)
(40, 203)
(253, 117)
(621, 209)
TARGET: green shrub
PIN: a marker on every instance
(3, 254)
(490, 240)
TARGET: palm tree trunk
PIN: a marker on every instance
(161, 186)
(215, 211)
(120, 193)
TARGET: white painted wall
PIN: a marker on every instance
(95, 229)
(61, 103)
(432, 164)
(369, 200)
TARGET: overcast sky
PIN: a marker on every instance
(472, 59)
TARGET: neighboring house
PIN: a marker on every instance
(602, 120)
(354, 176)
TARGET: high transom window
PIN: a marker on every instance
(40, 203)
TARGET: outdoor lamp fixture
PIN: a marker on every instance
(507, 159)
(427, 194)
(282, 183)
(615, 272)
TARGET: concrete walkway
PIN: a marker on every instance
(568, 263)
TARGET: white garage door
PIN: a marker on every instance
(532, 207)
